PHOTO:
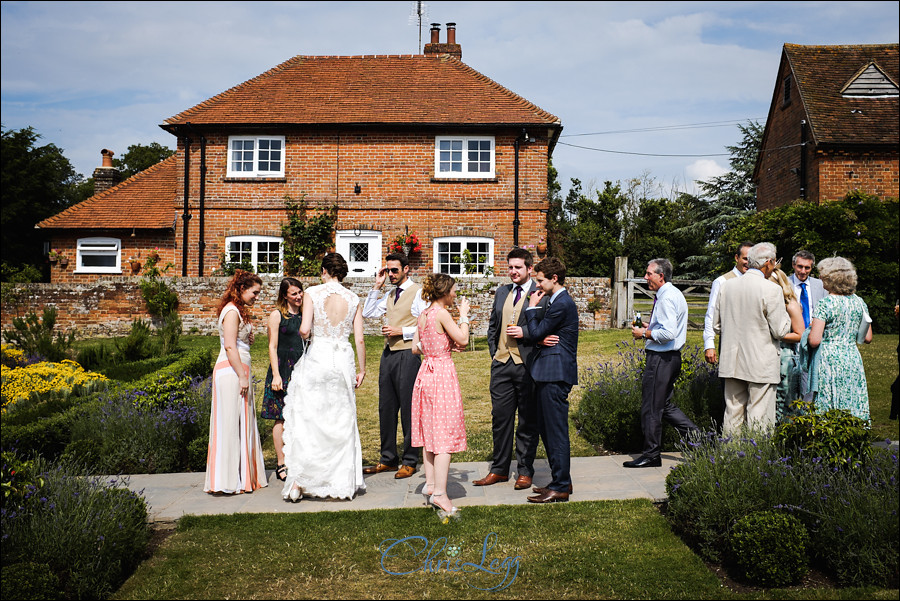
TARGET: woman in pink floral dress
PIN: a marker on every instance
(437, 411)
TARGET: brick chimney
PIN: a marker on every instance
(105, 176)
(451, 47)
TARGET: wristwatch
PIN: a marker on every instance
(646, 334)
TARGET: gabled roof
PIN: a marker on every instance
(822, 73)
(143, 201)
(335, 90)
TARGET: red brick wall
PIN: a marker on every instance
(776, 184)
(871, 172)
(395, 173)
(137, 246)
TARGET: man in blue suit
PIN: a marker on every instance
(554, 370)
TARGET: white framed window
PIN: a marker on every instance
(263, 253)
(464, 255)
(255, 156)
(98, 255)
(463, 157)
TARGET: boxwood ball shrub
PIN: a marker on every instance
(769, 548)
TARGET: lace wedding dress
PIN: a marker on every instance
(322, 451)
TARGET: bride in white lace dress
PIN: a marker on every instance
(321, 440)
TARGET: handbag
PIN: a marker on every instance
(864, 324)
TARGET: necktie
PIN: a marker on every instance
(804, 304)
(518, 295)
(397, 294)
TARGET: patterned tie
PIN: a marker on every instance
(518, 295)
(804, 304)
(397, 294)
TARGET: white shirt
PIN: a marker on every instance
(709, 337)
(376, 307)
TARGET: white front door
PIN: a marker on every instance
(361, 249)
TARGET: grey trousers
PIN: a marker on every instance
(396, 379)
(660, 373)
(512, 390)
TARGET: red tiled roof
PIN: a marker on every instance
(414, 89)
(822, 72)
(143, 201)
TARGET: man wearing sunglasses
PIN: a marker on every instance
(400, 308)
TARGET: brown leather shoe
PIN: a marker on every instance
(551, 496)
(523, 482)
(543, 489)
(377, 469)
(405, 471)
(491, 478)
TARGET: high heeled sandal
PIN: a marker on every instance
(427, 495)
(444, 515)
(281, 472)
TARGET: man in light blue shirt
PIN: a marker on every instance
(664, 335)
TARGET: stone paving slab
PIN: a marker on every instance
(171, 496)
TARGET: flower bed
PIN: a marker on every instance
(45, 380)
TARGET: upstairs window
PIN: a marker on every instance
(256, 156)
(98, 255)
(262, 253)
(786, 97)
(463, 157)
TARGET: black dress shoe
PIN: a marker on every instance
(643, 462)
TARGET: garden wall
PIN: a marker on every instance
(107, 306)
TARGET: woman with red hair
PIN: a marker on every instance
(234, 462)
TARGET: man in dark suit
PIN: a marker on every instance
(554, 370)
(512, 388)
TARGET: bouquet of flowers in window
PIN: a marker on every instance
(405, 243)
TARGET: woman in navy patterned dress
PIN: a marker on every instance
(285, 349)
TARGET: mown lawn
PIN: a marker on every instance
(473, 366)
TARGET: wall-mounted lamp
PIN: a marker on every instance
(795, 170)
(357, 188)
(850, 174)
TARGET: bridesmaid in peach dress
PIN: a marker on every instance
(234, 462)
(437, 410)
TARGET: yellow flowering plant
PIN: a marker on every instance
(44, 380)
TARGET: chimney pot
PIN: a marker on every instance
(451, 33)
(107, 157)
(435, 33)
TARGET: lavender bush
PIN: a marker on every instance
(88, 531)
(850, 512)
(609, 412)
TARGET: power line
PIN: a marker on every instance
(650, 154)
(704, 125)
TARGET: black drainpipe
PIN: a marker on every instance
(186, 216)
(803, 159)
(200, 225)
(516, 196)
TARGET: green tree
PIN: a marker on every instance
(592, 230)
(36, 182)
(556, 222)
(726, 199)
(139, 157)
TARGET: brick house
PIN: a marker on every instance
(418, 143)
(833, 125)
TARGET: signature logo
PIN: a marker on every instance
(402, 556)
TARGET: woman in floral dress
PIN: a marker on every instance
(836, 318)
(438, 424)
(285, 349)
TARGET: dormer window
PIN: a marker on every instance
(256, 156)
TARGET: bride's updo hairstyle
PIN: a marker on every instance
(437, 285)
(335, 266)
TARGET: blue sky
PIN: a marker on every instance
(93, 75)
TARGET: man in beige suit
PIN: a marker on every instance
(750, 319)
